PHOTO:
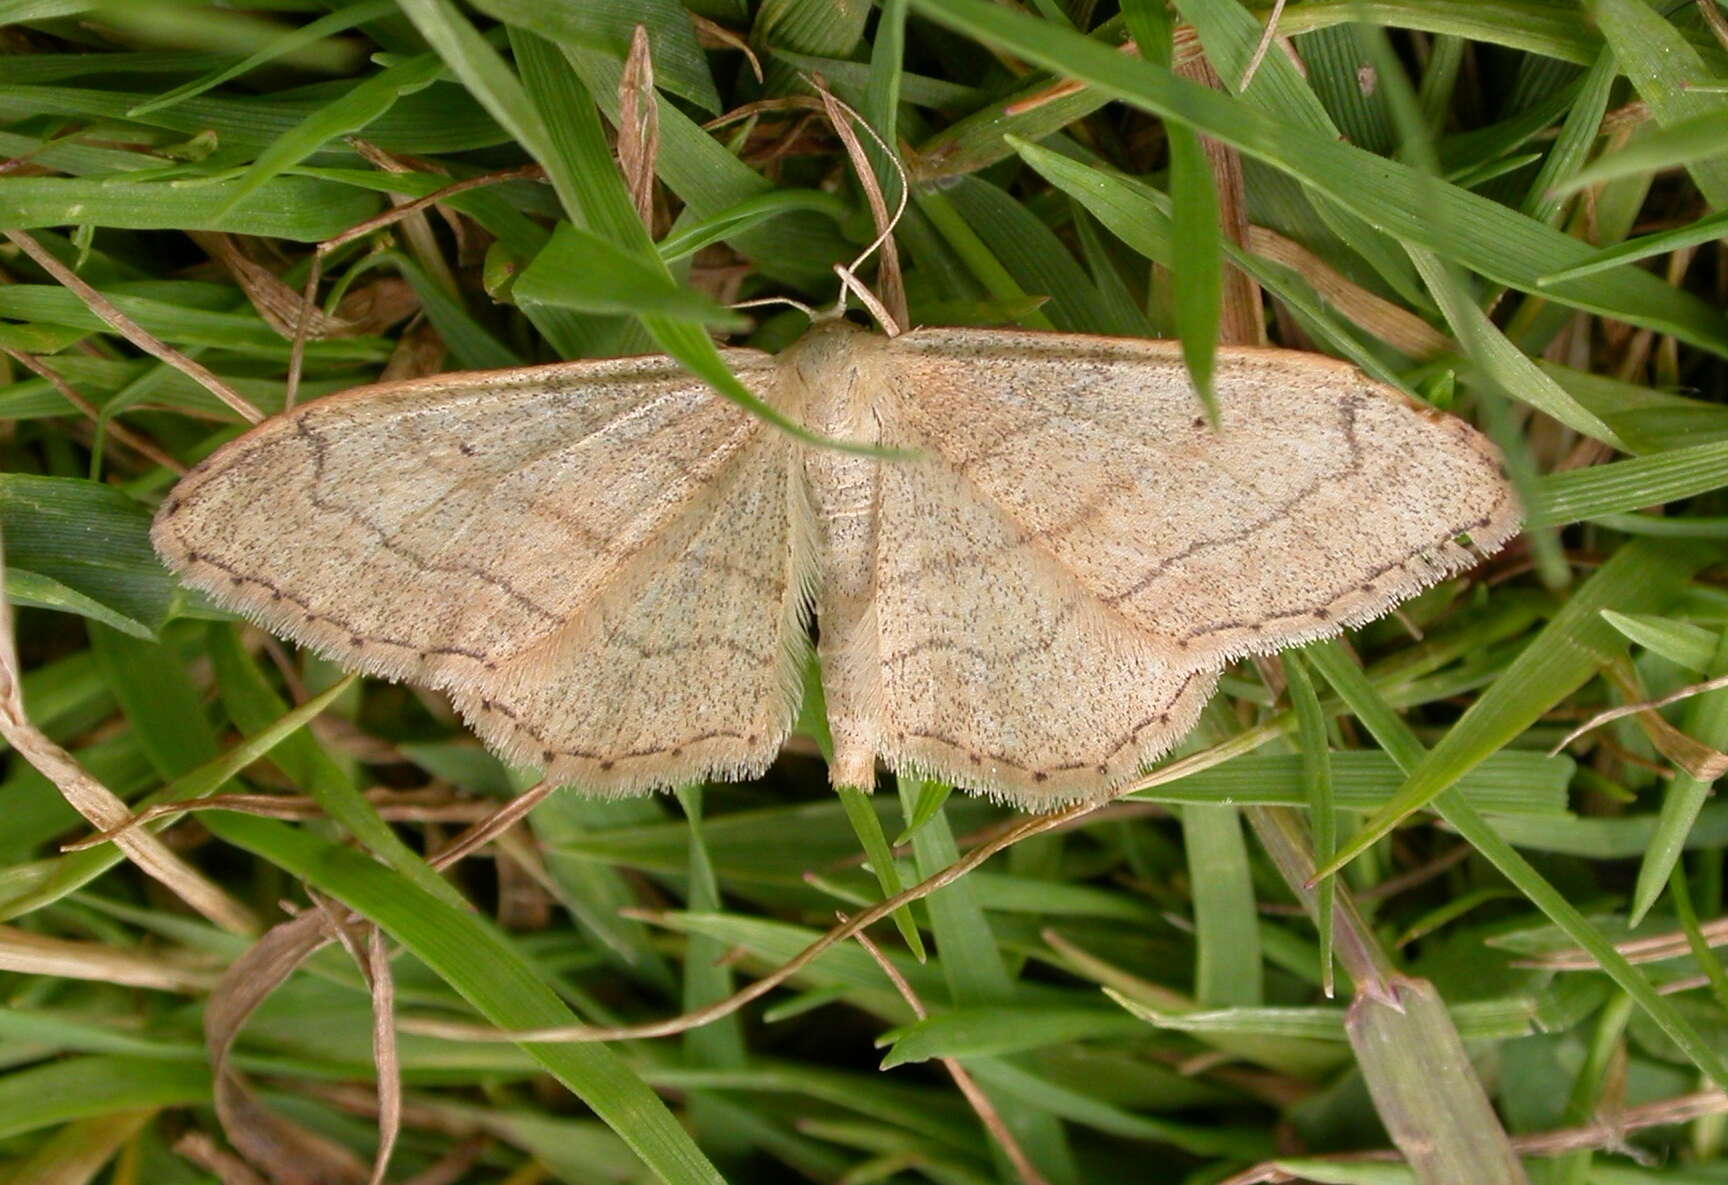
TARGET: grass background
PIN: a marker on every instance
(1507, 208)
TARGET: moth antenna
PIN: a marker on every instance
(845, 119)
(851, 283)
(809, 312)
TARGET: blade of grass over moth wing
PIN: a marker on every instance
(1567, 652)
(1705, 719)
(480, 963)
(1197, 251)
(1485, 237)
(1396, 738)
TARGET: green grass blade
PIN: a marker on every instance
(1397, 739)
(1562, 657)
(1578, 494)
(1663, 66)
(1482, 235)
(1705, 719)
(288, 44)
(1316, 758)
(492, 975)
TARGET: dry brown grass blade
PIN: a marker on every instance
(263, 1137)
(1035, 825)
(1604, 1133)
(29, 953)
(713, 36)
(1690, 754)
(975, 1096)
(416, 226)
(639, 126)
(100, 805)
(1265, 44)
(384, 1059)
(137, 442)
(1654, 948)
(1393, 324)
(888, 275)
(370, 309)
(1185, 45)
(129, 329)
(397, 806)
(227, 1168)
(285, 1152)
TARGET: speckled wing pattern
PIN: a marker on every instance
(596, 558)
(608, 566)
(999, 670)
(1321, 500)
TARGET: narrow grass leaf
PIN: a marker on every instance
(160, 702)
(1226, 917)
(1664, 68)
(1396, 738)
(1705, 719)
(1692, 646)
(81, 1087)
(1574, 495)
(1706, 230)
(489, 972)
(286, 208)
(1568, 651)
(90, 539)
(971, 1032)
(290, 42)
(39, 591)
(1508, 782)
(355, 110)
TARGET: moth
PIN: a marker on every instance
(612, 570)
